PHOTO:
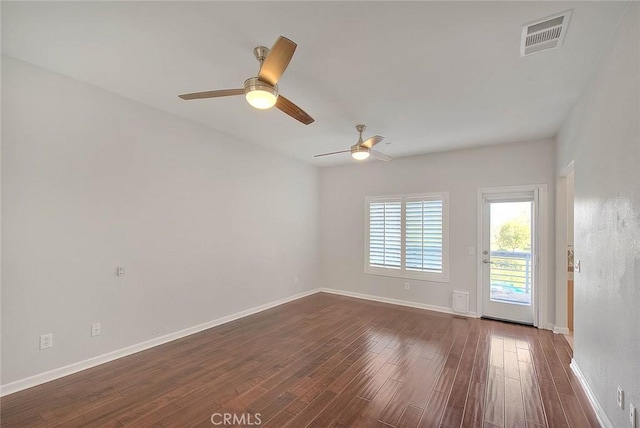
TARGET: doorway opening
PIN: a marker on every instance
(566, 263)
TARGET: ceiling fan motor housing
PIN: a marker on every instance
(359, 148)
(255, 84)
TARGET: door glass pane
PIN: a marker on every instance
(510, 267)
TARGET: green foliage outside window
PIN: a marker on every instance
(514, 235)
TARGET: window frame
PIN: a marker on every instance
(403, 272)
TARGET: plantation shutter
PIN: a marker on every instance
(385, 234)
(407, 236)
(423, 235)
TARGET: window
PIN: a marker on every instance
(407, 236)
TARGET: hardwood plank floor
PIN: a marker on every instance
(326, 361)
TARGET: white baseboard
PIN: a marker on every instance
(561, 330)
(48, 376)
(600, 414)
(417, 305)
(547, 326)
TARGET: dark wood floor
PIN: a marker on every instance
(325, 361)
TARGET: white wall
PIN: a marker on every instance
(602, 136)
(343, 190)
(205, 225)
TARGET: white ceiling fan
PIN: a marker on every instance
(363, 149)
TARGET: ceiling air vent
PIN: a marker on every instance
(544, 34)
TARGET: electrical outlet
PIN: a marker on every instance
(620, 397)
(407, 286)
(120, 271)
(95, 329)
(46, 341)
(632, 415)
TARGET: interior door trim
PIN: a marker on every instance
(540, 316)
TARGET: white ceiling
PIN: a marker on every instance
(430, 76)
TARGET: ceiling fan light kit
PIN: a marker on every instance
(359, 153)
(259, 94)
(261, 91)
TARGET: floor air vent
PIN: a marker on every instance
(544, 34)
(461, 302)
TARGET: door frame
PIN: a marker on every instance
(561, 242)
(541, 273)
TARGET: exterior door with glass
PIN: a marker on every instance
(509, 248)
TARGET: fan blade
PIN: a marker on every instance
(277, 60)
(212, 94)
(380, 156)
(293, 110)
(372, 141)
(332, 153)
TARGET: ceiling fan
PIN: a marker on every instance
(262, 91)
(362, 149)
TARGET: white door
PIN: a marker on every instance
(508, 255)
